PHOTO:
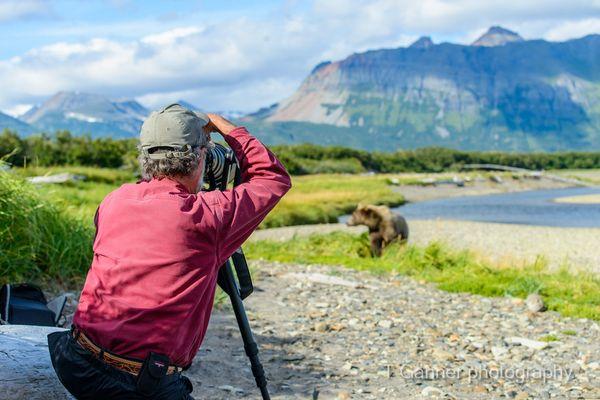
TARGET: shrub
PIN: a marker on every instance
(37, 239)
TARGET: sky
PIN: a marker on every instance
(235, 55)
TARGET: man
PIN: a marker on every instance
(148, 295)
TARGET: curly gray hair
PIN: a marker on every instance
(170, 167)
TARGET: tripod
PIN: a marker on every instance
(241, 288)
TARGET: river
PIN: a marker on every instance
(535, 207)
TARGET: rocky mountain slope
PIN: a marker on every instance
(501, 92)
(88, 113)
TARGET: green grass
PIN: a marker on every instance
(570, 294)
(549, 338)
(97, 175)
(81, 198)
(569, 332)
(313, 198)
(323, 198)
(38, 239)
(591, 176)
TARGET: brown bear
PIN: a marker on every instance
(384, 225)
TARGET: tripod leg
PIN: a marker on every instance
(227, 279)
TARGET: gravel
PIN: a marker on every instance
(578, 248)
(390, 337)
(333, 333)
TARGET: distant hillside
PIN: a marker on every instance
(501, 92)
(8, 122)
(88, 113)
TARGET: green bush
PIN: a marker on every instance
(63, 148)
(37, 239)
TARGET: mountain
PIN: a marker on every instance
(14, 124)
(497, 36)
(424, 42)
(88, 113)
(500, 93)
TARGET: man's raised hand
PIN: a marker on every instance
(218, 124)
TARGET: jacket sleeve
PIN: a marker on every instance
(241, 209)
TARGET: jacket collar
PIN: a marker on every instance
(166, 185)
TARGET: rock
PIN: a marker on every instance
(431, 391)
(231, 389)
(594, 366)
(532, 344)
(344, 395)
(337, 327)
(348, 366)
(322, 327)
(499, 351)
(442, 355)
(26, 371)
(453, 337)
(522, 396)
(480, 389)
(535, 303)
(322, 278)
(496, 179)
(385, 323)
(57, 178)
(294, 357)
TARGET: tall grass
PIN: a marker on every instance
(38, 240)
(323, 198)
(454, 271)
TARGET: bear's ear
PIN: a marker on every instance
(360, 206)
(372, 211)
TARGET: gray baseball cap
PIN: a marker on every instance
(173, 128)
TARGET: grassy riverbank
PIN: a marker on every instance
(313, 198)
(576, 295)
(46, 235)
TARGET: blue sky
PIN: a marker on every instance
(234, 55)
(45, 22)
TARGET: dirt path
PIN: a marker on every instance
(368, 337)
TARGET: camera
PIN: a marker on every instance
(221, 167)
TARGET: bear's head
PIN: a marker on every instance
(365, 215)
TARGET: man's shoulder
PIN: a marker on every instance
(125, 189)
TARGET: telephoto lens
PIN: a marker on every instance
(220, 167)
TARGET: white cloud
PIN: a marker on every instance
(171, 36)
(247, 62)
(571, 29)
(16, 9)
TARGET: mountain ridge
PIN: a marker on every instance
(501, 92)
(515, 95)
(82, 112)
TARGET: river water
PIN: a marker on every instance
(535, 207)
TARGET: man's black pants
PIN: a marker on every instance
(88, 378)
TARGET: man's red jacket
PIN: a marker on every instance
(157, 252)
